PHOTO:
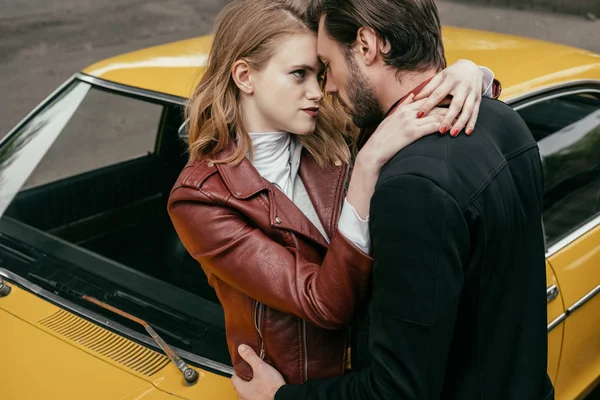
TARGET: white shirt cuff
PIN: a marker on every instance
(488, 81)
(354, 228)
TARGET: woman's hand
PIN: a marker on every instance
(397, 131)
(462, 80)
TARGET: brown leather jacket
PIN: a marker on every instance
(284, 290)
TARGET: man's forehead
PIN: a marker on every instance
(321, 27)
(322, 39)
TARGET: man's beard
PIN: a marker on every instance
(366, 111)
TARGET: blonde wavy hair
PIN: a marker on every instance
(252, 30)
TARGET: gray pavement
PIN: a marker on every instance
(42, 43)
(567, 29)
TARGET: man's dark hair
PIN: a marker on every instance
(315, 10)
(411, 27)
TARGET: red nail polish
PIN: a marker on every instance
(454, 132)
(443, 129)
(421, 114)
(469, 131)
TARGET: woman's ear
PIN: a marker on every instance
(242, 76)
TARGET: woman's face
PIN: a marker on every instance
(286, 92)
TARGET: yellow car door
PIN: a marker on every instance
(566, 125)
(578, 269)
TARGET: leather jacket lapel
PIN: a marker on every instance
(325, 187)
(243, 181)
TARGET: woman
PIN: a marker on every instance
(261, 203)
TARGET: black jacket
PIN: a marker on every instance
(458, 307)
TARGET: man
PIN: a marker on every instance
(458, 306)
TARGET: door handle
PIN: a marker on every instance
(551, 293)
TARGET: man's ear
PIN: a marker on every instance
(242, 76)
(386, 47)
(367, 45)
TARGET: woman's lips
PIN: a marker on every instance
(313, 112)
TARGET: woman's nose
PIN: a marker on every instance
(314, 91)
(314, 94)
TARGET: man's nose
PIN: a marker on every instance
(330, 87)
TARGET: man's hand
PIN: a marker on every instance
(266, 381)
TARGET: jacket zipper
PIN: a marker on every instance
(258, 308)
(305, 350)
(304, 340)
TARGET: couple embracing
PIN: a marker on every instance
(369, 218)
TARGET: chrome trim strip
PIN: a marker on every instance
(37, 108)
(556, 95)
(574, 307)
(581, 82)
(551, 293)
(573, 236)
(583, 300)
(130, 89)
(556, 322)
(100, 320)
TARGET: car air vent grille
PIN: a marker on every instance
(104, 342)
(47, 273)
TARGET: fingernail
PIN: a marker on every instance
(454, 132)
(242, 348)
(443, 129)
(421, 114)
(469, 131)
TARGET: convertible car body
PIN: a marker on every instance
(84, 181)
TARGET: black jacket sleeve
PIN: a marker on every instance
(420, 243)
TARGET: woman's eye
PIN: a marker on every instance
(300, 73)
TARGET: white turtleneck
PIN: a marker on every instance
(273, 159)
(277, 159)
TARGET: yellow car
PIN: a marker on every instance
(99, 299)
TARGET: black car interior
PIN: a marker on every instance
(118, 215)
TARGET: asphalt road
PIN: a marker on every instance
(43, 42)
